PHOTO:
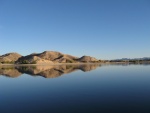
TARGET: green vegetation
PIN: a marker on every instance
(34, 62)
(24, 68)
(69, 61)
(7, 62)
(25, 62)
(7, 68)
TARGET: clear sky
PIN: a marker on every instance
(105, 29)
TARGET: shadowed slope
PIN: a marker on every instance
(48, 57)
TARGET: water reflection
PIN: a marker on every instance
(115, 88)
(9, 71)
(47, 71)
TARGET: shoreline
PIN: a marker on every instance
(48, 64)
(102, 63)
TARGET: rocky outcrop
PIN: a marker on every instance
(87, 59)
(66, 59)
(9, 57)
(46, 57)
(50, 55)
(33, 59)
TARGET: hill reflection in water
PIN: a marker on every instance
(47, 71)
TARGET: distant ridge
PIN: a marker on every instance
(129, 59)
(46, 57)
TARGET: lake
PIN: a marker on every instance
(92, 88)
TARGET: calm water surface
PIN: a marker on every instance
(75, 89)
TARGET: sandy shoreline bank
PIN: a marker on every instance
(73, 64)
(49, 64)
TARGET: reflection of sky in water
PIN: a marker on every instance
(105, 89)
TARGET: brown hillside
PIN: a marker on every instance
(50, 55)
(9, 57)
(87, 59)
(47, 57)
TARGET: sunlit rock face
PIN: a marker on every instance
(48, 57)
(9, 57)
(87, 59)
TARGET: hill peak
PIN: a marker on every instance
(45, 57)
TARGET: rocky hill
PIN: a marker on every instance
(46, 57)
(9, 58)
(87, 59)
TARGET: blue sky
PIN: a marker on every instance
(105, 29)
